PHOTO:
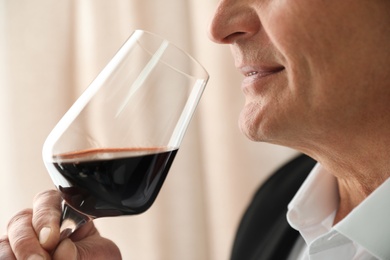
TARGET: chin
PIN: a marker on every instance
(250, 126)
(258, 126)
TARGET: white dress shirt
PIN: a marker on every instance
(363, 234)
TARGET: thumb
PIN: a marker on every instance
(66, 250)
(95, 247)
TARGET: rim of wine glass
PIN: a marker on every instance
(206, 77)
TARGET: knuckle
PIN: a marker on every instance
(21, 242)
(3, 242)
(46, 213)
(5, 249)
(46, 195)
(18, 237)
(47, 208)
(99, 250)
(19, 218)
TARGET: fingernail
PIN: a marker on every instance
(44, 235)
(35, 257)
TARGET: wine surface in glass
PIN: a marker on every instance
(111, 182)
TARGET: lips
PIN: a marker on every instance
(262, 71)
(258, 77)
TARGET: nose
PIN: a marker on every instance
(233, 20)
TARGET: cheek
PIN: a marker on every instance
(298, 32)
(284, 25)
(304, 52)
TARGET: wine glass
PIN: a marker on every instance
(110, 153)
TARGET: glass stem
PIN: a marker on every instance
(70, 221)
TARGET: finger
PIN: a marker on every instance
(22, 237)
(66, 250)
(46, 218)
(86, 230)
(5, 249)
(91, 247)
(98, 248)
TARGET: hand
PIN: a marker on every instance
(36, 232)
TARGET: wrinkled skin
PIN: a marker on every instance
(24, 239)
(316, 79)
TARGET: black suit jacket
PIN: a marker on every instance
(264, 233)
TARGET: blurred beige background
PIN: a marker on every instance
(51, 50)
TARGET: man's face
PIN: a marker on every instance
(312, 68)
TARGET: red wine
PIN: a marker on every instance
(111, 182)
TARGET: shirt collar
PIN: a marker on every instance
(368, 224)
(313, 208)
